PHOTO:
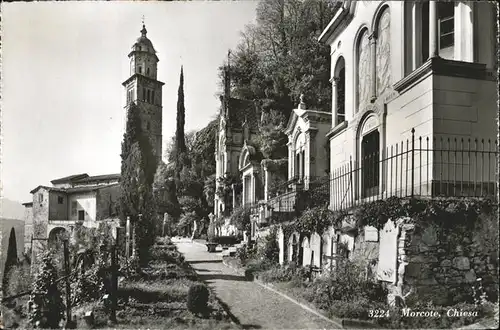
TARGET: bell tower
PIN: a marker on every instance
(145, 90)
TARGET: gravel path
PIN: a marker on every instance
(253, 305)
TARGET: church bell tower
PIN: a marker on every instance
(145, 90)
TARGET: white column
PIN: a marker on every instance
(252, 191)
(334, 82)
(373, 55)
(416, 34)
(244, 192)
(433, 29)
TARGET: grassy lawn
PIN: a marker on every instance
(157, 299)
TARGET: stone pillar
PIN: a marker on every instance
(234, 196)
(334, 81)
(252, 190)
(373, 55)
(244, 190)
(291, 159)
(267, 179)
(312, 148)
(433, 29)
(416, 12)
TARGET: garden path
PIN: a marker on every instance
(254, 306)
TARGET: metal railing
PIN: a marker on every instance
(423, 167)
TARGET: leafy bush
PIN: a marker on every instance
(168, 254)
(130, 268)
(280, 273)
(357, 308)
(18, 279)
(346, 284)
(197, 300)
(241, 218)
(47, 304)
(90, 285)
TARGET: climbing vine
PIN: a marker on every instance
(444, 213)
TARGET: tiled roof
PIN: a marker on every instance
(48, 188)
(106, 177)
(70, 178)
(28, 204)
(75, 189)
(241, 110)
(88, 188)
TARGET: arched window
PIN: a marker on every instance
(364, 75)
(299, 162)
(144, 94)
(147, 71)
(139, 69)
(153, 97)
(339, 90)
(148, 95)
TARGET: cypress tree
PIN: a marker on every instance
(180, 139)
(181, 115)
(137, 176)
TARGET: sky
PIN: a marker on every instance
(62, 68)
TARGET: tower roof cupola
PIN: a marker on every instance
(143, 43)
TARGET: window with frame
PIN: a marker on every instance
(144, 94)
(340, 88)
(81, 215)
(73, 208)
(60, 200)
(40, 197)
(139, 69)
(446, 27)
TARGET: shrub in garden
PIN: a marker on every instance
(197, 300)
(279, 274)
(47, 304)
(89, 285)
(167, 254)
(18, 279)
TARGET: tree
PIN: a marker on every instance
(272, 139)
(165, 191)
(279, 58)
(48, 307)
(180, 139)
(137, 176)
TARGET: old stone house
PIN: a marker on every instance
(73, 199)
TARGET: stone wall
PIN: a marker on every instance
(40, 213)
(444, 264)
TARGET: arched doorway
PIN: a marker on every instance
(56, 238)
(11, 259)
(369, 156)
